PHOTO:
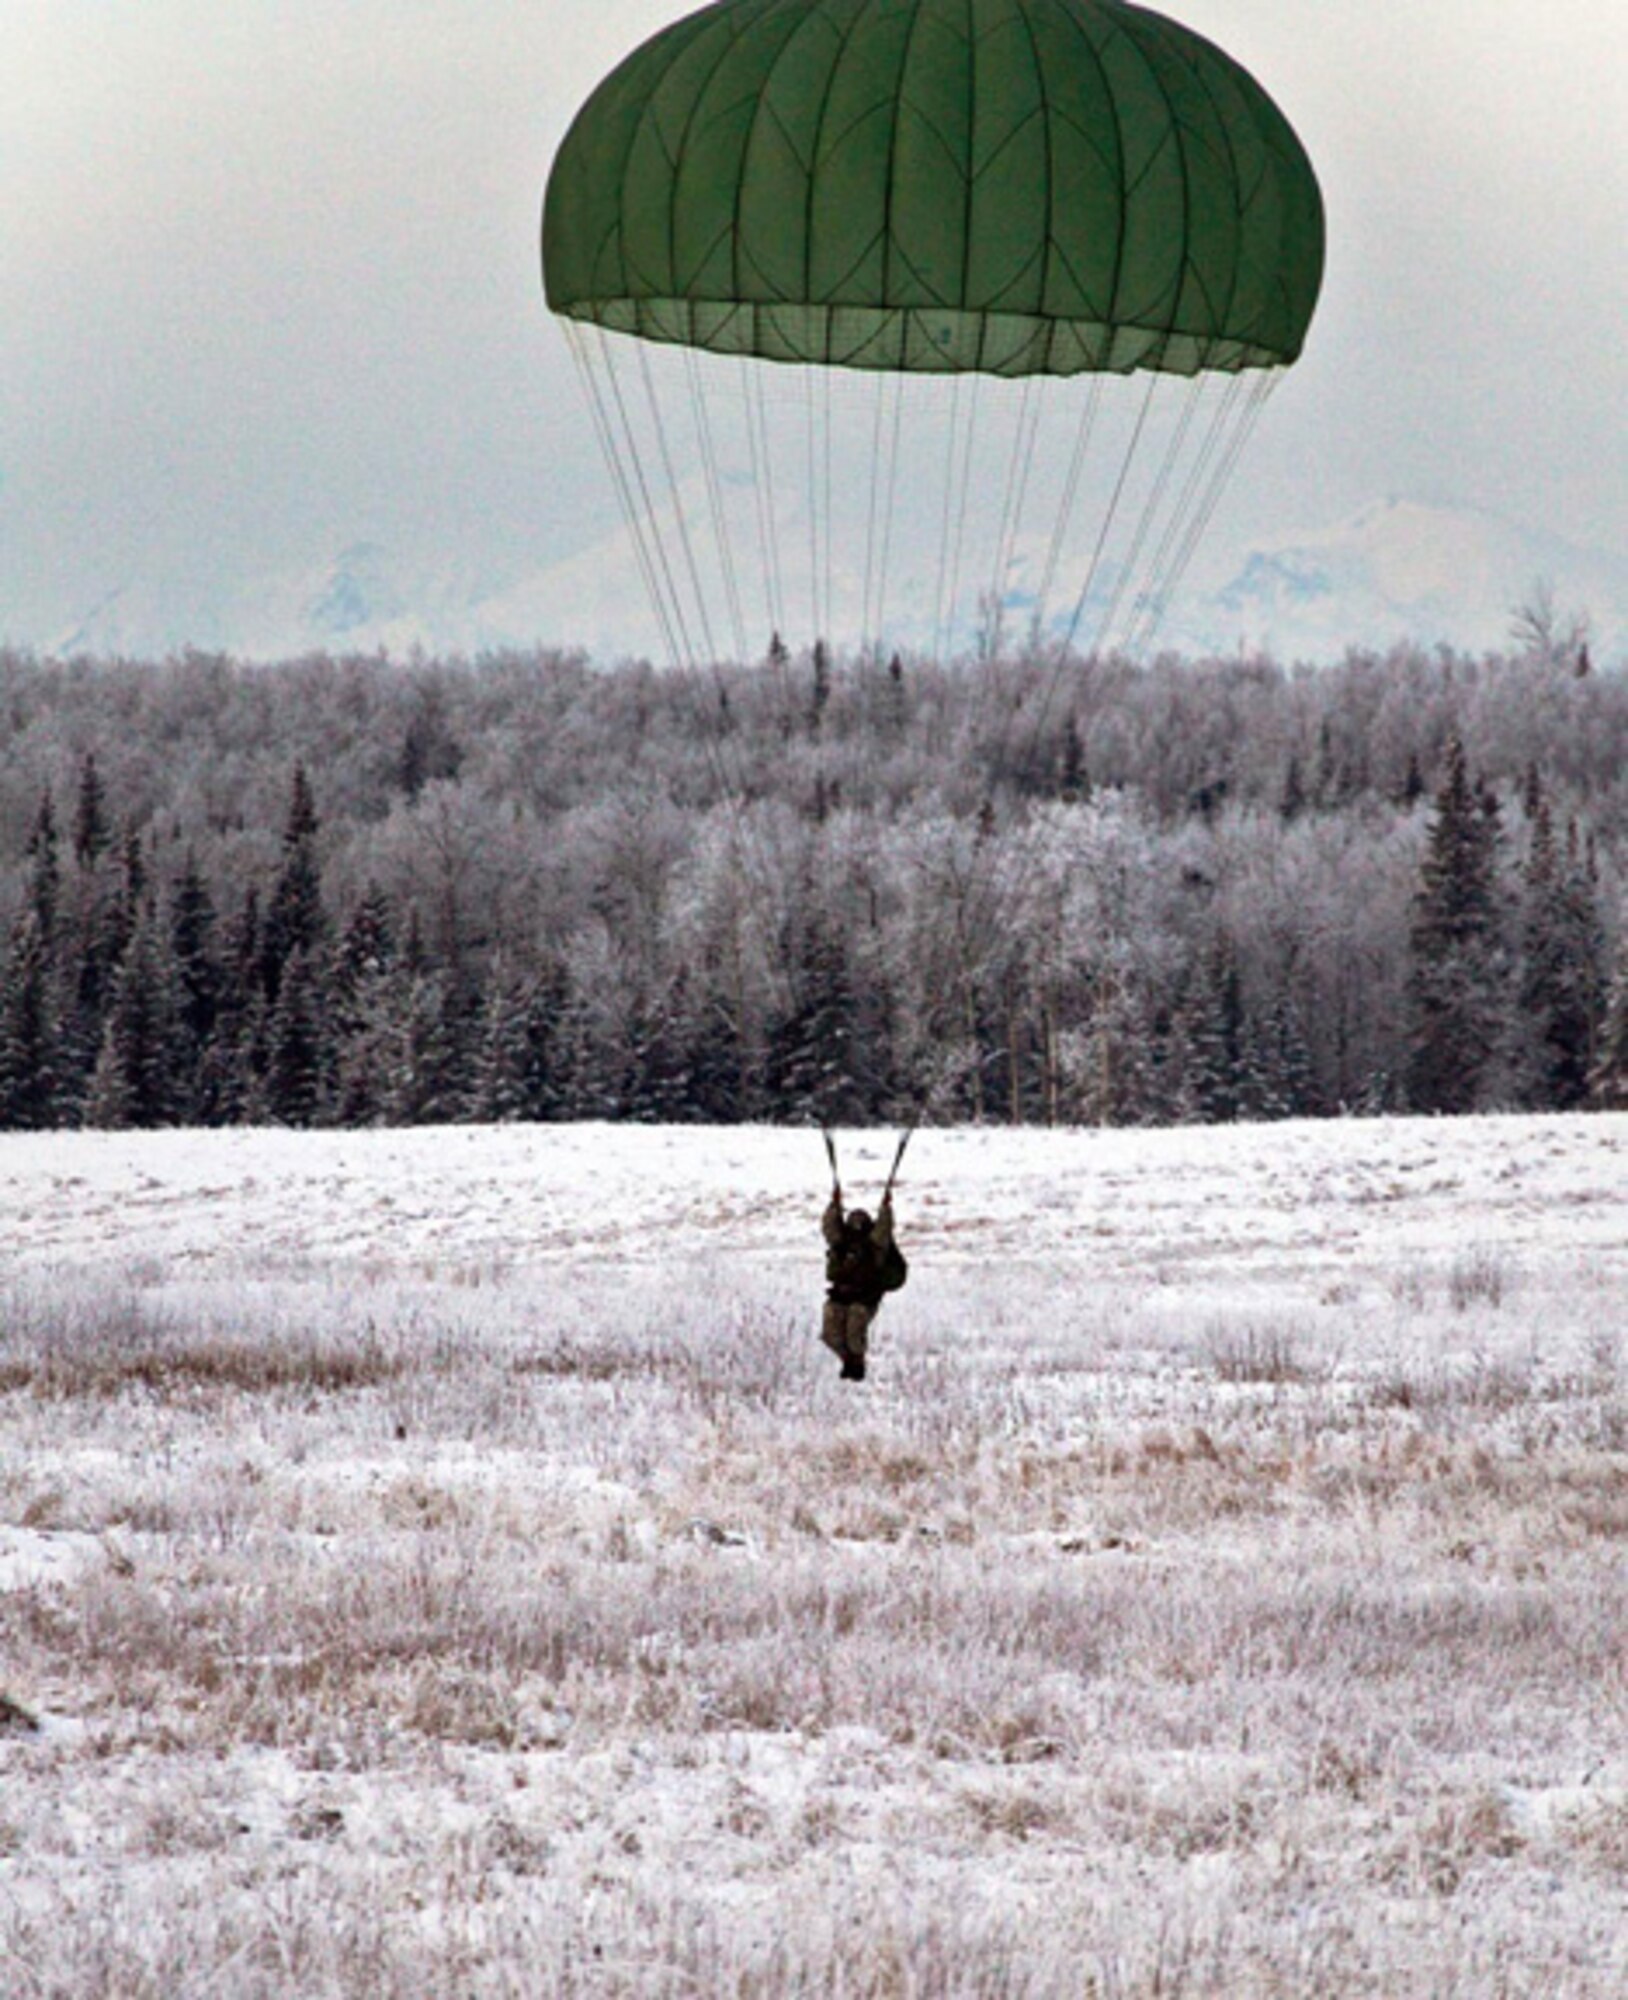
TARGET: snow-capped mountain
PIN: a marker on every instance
(362, 600)
(1400, 569)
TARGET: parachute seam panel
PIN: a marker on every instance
(760, 110)
(890, 246)
(844, 36)
(731, 43)
(1020, 10)
(1199, 68)
(1179, 132)
(647, 118)
(1115, 166)
(971, 176)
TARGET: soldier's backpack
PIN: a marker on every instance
(859, 1272)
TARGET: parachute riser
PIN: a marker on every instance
(893, 1171)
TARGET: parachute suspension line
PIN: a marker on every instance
(658, 544)
(946, 517)
(993, 880)
(1070, 497)
(1256, 397)
(1151, 591)
(1201, 492)
(826, 615)
(1147, 514)
(1017, 484)
(702, 412)
(668, 609)
(685, 541)
(896, 382)
(1108, 519)
(1005, 877)
(965, 496)
(811, 441)
(627, 475)
(869, 637)
(757, 443)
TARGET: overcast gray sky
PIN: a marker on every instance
(268, 276)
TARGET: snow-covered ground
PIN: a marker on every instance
(1238, 1201)
(444, 1561)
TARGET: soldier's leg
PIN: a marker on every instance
(857, 1332)
(834, 1327)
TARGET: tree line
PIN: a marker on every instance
(359, 891)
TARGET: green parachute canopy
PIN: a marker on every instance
(1012, 187)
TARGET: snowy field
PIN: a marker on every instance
(445, 1562)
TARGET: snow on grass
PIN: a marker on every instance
(445, 1561)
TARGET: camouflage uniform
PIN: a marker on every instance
(854, 1263)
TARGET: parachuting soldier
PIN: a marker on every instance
(862, 1265)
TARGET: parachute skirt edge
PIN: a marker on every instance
(922, 340)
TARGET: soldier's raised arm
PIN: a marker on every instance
(832, 1220)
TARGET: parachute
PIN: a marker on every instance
(895, 257)
(919, 327)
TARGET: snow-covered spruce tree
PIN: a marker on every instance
(45, 870)
(1608, 1079)
(1457, 971)
(295, 919)
(192, 926)
(297, 1054)
(502, 1056)
(92, 829)
(1221, 1054)
(1562, 972)
(135, 1081)
(425, 1083)
(230, 1083)
(30, 1030)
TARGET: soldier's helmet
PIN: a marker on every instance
(858, 1220)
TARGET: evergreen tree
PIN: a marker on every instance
(1608, 1079)
(296, 1045)
(1291, 1082)
(1221, 1077)
(230, 1085)
(45, 870)
(30, 1030)
(92, 830)
(815, 1057)
(545, 1011)
(426, 1084)
(295, 917)
(1562, 970)
(429, 750)
(1074, 781)
(197, 970)
(105, 917)
(1456, 947)
(367, 945)
(135, 1081)
(820, 688)
(499, 1072)
(367, 1045)
(1292, 798)
(898, 707)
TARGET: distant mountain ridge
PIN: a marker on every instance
(1398, 570)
